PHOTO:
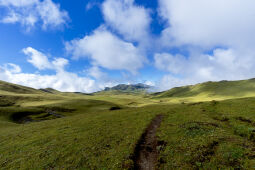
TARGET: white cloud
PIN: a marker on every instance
(90, 5)
(149, 83)
(96, 73)
(13, 68)
(12, 17)
(51, 14)
(30, 12)
(222, 64)
(169, 62)
(59, 63)
(93, 80)
(223, 27)
(41, 61)
(37, 59)
(107, 50)
(102, 79)
(209, 23)
(128, 19)
(61, 80)
(169, 81)
(17, 3)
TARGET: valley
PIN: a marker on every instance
(209, 125)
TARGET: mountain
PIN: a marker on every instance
(130, 88)
(221, 89)
(202, 91)
(50, 90)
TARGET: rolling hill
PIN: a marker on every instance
(211, 91)
(47, 129)
(14, 88)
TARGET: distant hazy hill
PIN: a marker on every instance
(128, 88)
(227, 89)
(199, 92)
(50, 90)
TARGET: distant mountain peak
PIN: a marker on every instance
(128, 87)
(49, 90)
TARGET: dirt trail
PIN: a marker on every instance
(146, 153)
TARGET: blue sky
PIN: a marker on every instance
(86, 45)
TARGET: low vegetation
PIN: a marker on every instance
(210, 91)
(48, 129)
(210, 135)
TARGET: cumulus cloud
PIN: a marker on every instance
(128, 19)
(30, 12)
(17, 3)
(93, 80)
(209, 23)
(96, 73)
(169, 81)
(12, 68)
(222, 64)
(102, 79)
(218, 39)
(59, 63)
(107, 50)
(168, 62)
(149, 83)
(51, 14)
(41, 61)
(37, 59)
(62, 80)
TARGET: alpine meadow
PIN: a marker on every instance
(127, 84)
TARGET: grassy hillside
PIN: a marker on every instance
(211, 91)
(55, 130)
(13, 88)
(198, 135)
(104, 139)
(209, 135)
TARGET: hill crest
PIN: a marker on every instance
(140, 87)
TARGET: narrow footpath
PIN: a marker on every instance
(146, 153)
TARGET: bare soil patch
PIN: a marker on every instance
(146, 153)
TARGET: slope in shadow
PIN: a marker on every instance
(145, 156)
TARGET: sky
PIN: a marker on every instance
(87, 45)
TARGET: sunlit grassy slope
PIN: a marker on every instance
(41, 129)
(48, 129)
(13, 88)
(210, 91)
(100, 139)
(209, 135)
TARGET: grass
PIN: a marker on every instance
(210, 135)
(8, 87)
(208, 91)
(90, 140)
(100, 131)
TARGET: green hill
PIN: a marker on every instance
(14, 88)
(211, 90)
(47, 129)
